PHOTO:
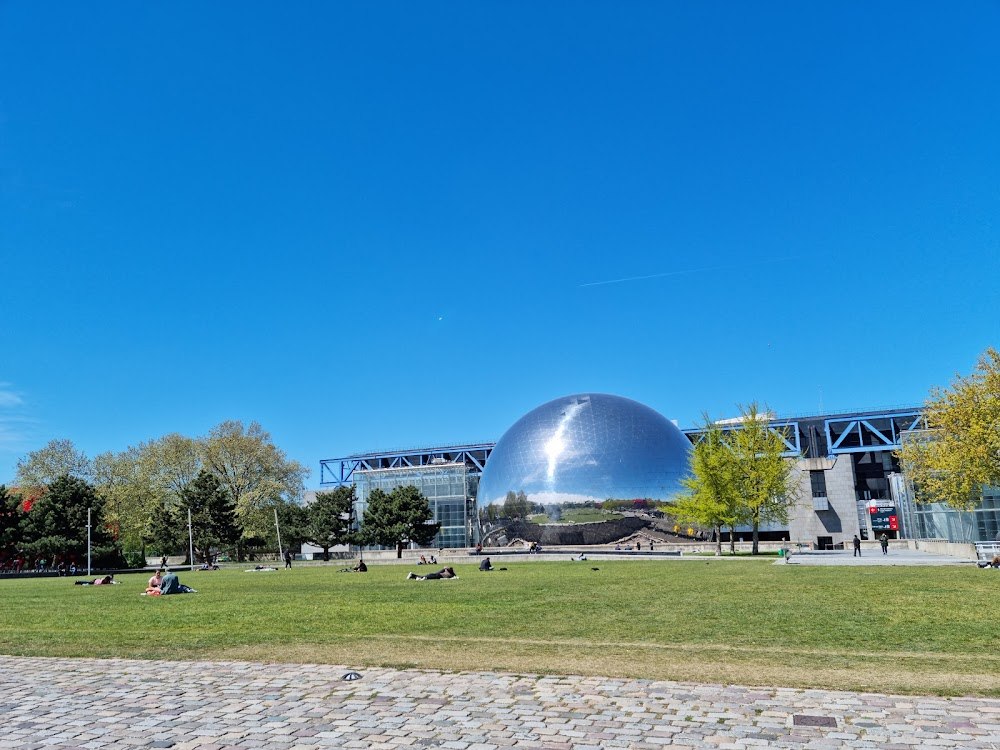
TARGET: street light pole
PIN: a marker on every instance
(190, 540)
(88, 541)
(278, 529)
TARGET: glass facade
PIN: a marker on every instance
(938, 521)
(448, 488)
(587, 448)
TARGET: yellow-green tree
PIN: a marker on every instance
(42, 467)
(257, 475)
(740, 475)
(126, 483)
(710, 500)
(959, 454)
(764, 476)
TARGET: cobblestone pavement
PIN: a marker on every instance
(87, 703)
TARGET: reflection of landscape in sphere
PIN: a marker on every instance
(587, 448)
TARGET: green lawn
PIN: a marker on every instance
(890, 629)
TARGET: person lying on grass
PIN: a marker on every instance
(97, 581)
(447, 572)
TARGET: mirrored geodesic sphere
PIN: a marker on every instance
(586, 448)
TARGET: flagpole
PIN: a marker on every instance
(88, 541)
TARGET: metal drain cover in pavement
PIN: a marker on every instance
(803, 720)
(350, 676)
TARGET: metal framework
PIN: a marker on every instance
(335, 472)
(871, 432)
(787, 431)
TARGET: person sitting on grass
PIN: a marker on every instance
(446, 572)
(155, 581)
(423, 560)
(360, 567)
(172, 585)
(485, 565)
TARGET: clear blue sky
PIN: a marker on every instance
(380, 225)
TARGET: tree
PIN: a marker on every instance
(960, 452)
(761, 471)
(11, 520)
(294, 521)
(711, 499)
(256, 474)
(126, 482)
(213, 523)
(56, 525)
(167, 530)
(516, 505)
(398, 518)
(174, 462)
(329, 519)
(42, 467)
(743, 475)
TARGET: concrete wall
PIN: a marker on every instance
(841, 521)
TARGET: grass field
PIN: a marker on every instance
(888, 629)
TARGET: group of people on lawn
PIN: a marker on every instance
(164, 582)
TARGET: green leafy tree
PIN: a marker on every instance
(959, 454)
(40, 468)
(711, 499)
(329, 519)
(740, 474)
(294, 521)
(56, 525)
(516, 505)
(762, 474)
(167, 530)
(175, 461)
(213, 522)
(11, 520)
(398, 518)
(256, 474)
(126, 482)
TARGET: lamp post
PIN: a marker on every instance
(88, 541)
(278, 529)
(190, 540)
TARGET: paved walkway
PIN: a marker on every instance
(875, 557)
(86, 703)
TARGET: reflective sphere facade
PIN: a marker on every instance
(587, 448)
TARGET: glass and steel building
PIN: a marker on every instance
(592, 447)
(587, 448)
(448, 477)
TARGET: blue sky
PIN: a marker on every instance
(384, 225)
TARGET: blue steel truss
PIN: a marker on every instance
(787, 431)
(335, 472)
(871, 432)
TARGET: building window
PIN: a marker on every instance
(818, 481)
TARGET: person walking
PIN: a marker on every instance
(884, 540)
(857, 546)
(288, 559)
